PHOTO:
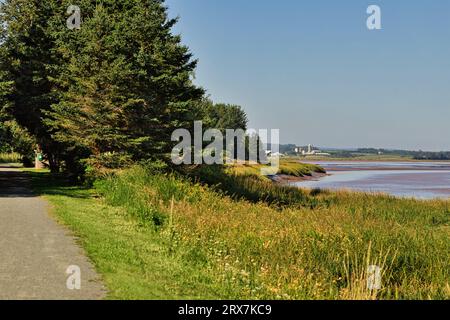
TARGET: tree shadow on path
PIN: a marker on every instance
(24, 184)
(14, 183)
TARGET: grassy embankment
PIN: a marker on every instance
(154, 235)
(10, 158)
(286, 167)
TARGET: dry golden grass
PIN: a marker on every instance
(256, 251)
(287, 167)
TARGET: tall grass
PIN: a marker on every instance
(258, 251)
(296, 169)
(287, 167)
(10, 158)
(251, 186)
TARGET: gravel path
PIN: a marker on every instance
(35, 251)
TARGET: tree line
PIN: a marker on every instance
(417, 155)
(104, 96)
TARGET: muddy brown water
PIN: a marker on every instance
(421, 180)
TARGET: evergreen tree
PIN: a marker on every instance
(27, 62)
(225, 116)
(108, 94)
(127, 82)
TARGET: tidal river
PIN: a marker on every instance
(423, 180)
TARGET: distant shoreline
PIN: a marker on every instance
(340, 169)
(409, 166)
(362, 159)
(353, 167)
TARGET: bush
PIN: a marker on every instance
(10, 158)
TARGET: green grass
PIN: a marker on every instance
(155, 235)
(134, 260)
(296, 169)
(10, 158)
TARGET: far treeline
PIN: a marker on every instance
(102, 97)
(417, 155)
(289, 149)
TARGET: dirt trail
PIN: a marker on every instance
(35, 251)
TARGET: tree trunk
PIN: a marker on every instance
(54, 164)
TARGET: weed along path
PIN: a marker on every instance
(38, 258)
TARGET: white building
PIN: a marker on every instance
(310, 151)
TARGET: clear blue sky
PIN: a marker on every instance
(314, 70)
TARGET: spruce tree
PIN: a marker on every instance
(27, 59)
(126, 84)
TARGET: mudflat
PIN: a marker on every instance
(422, 180)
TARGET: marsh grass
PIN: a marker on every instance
(296, 169)
(358, 276)
(255, 250)
(287, 167)
(246, 183)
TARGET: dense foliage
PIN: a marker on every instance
(106, 95)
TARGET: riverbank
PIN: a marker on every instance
(156, 235)
(287, 168)
(285, 179)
